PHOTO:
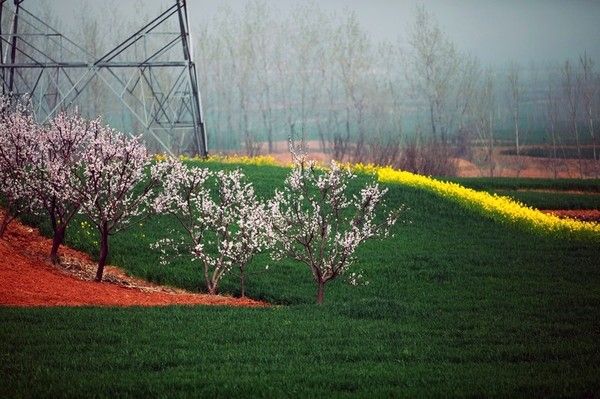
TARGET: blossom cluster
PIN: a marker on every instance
(72, 165)
(19, 148)
(314, 219)
(112, 166)
(318, 222)
(225, 223)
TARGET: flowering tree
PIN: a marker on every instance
(316, 221)
(19, 147)
(53, 176)
(113, 185)
(223, 229)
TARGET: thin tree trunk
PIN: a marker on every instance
(320, 292)
(517, 134)
(6, 219)
(57, 240)
(242, 283)
(433, 130)
(594, 155)
(103, 252)
(554, 159)
(212, 288)
(491, 149)
(578, 148)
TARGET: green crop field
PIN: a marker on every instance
(553, 200)
(457, 305)
(523, 183)
(541, 193)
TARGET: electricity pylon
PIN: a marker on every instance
(151, 73)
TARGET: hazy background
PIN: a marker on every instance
(494, 30)
(477, 87)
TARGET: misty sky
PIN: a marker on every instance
(496, 31)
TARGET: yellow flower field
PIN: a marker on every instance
(500, 207)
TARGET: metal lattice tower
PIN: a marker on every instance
(151, 74)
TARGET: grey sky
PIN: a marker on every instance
(496, 31)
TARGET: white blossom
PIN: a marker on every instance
(19, 149)
(225, 224)
(316, 221)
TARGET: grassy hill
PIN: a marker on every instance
(457, 304)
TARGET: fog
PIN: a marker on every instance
(413, 84)
(540, 31)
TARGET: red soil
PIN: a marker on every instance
(28, 279)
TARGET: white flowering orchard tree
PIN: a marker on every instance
(225, 224)
(53, 176)
(114, 186)
(317, 222)
(19, 147)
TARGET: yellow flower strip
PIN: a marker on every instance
(500, 207)
(259, 160)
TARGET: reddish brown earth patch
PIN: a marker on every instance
(587, 215)
(28, 279)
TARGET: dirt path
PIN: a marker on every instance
(28, 279)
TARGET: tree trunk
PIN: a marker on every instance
(242, 284)
(554, 159)
(517, 134)
(103, 252)
(212, 288)
(57, 240)
(432, 117)
(578, 148)
(320, 292)
(594, 155)
(270, 139)
(491, 160)
(6, 219)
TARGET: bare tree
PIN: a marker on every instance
(465, 90)
(238, 44)
(515, 97)
(589, 91)
(352, 55)
(483, 119)
(286, 78)
(263, 34)
(552, 117)
(385, 109)
(571, 91)
(433, 65)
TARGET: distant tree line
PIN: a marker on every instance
(419, 104)
(416, 105)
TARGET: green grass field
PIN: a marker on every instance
(523, 183)
(541, 193)
(457, 305)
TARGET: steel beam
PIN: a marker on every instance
(165, 110)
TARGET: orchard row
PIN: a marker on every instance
(73, 166)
